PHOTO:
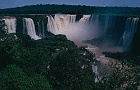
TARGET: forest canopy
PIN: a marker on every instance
(70, 9)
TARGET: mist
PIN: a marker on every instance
(80, 31)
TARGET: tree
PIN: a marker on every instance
(71, 70)
(14, 78)
(2, 29)
(120, 77)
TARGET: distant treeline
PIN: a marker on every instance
(70, 9)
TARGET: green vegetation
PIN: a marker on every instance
(125, 57)
(71, 70)
(120, 77)
(71, 9)
(48, 9)
(50, 63)
(14, 78)
(54, 63)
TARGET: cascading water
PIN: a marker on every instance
(75, 31)
(95, 25)
(109, 24)
(72, 18)
(60, 22)
(52, 27)
(10, 24)
(41, 29)
(85, 19)
(28, 24)
(24, 27)
(130, 30)
(88, 27)
(96, 71)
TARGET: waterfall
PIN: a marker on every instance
(87, 28)
(62, 21)
(95, 25)
(59, 22)
(71, 18)
(41, 29)
(10, 24)
(130, 30)
(109, 24)
(24, 27)
(85, 18)
(96, 71)
(52, 27)
(28, 25)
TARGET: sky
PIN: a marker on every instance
(122, 3)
